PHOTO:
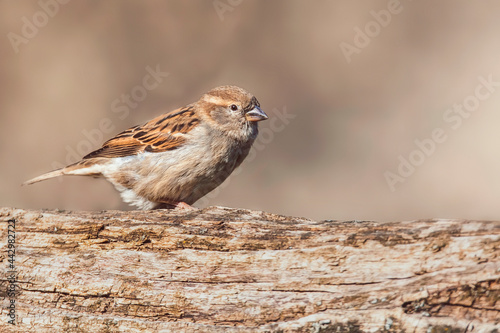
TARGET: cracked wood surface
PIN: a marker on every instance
(232, 270)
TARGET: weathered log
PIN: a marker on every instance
(231, 270)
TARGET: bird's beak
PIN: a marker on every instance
(256, 114)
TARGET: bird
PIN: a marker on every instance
(175, 159)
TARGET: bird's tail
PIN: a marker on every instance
(48, 175)
(82, 168)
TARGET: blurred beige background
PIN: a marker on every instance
(65, 68)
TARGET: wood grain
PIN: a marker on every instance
(233, 270)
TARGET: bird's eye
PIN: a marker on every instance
(234, 107)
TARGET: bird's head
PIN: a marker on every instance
(232, 110)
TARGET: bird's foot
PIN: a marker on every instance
(184, 206)
(177, 205)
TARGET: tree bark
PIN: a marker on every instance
(232, 270)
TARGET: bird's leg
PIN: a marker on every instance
(184, 206)
(175, 204)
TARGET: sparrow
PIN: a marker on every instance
(176, 158)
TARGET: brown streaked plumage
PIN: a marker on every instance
(159, 134)
(178, 157)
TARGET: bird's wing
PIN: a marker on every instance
(166, 132)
